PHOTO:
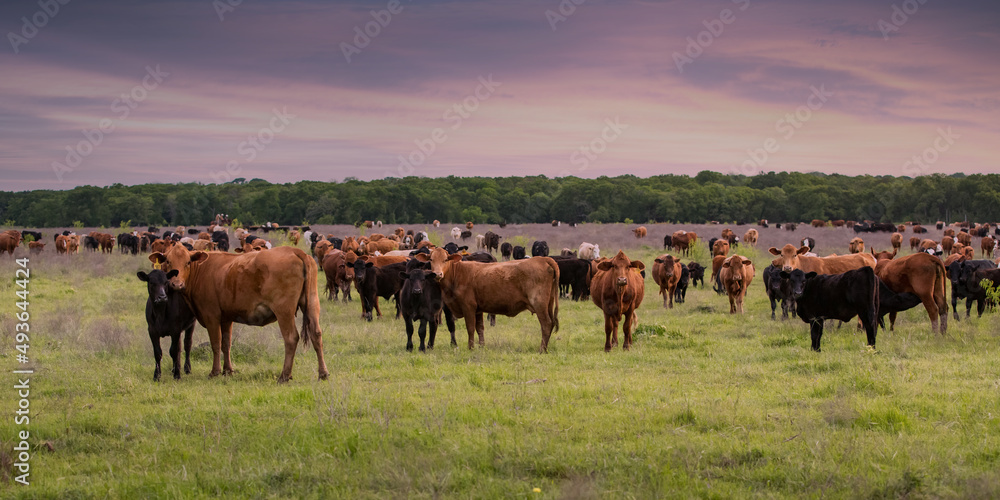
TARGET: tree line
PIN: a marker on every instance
(708, 196)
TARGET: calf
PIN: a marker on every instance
(506, 249)
(167, 315)
(890, 302)
(966, 285)
(779, 289)
(539, 249)
(680, 292)
(518, 252)
(420, 300)
(836, 296)
(736, 275)
(374, 282)
(697, 273)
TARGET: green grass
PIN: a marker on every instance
(705, 405)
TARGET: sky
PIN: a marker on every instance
(96, 92)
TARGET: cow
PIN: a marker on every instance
(890, 302)
(791, 258)
(221, 240)
(128, 242)
(589, 251)
(420, 299)
(667, 242)
(373, 282)
(728, 235)
(716, 278)
(915, 243)
(465, 234)
(456, 233)
(961, 273)
(470, 289)
(639, 232)
(790, 226)
(436, 223)
(539, 249)
(779, 289)
(574, 277)
(681, 241)
(680, 293)
(918, 229)
(491, 241)
(896, 240)
(736, 275)
(518, 253)
(666, 274)
(556, 223)
(697, 273)
(987, 245)
(976, 291)
(750, 237)
(91, 243)
(618, 289)
(949, 232)
(452, 248)
(335, 269)
(29, 236)
(505, 250)
(808, 242)
(256, 288)
(964, 238)
(203, 245)
(62, 244)
(382, 246)
(841, 296)
(922, 275)
(167, 315)
(818, 223)
(720, 247)
(35, 247)
(857, 245)
(469, 226)
(837, 223)
(480, 242)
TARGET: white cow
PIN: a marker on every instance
(589, 251)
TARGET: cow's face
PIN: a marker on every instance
(955, 272)
(966, 273)
(361, 269)
(438, 259)
(797, 281)
(179, 259)
(735, 265)
(620, 268)
(156, 284)
(417, 279)
(788, 256)
(668, 262)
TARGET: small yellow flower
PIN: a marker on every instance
(537, 490)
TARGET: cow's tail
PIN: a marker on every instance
(872, 312)
(940, 294)
(553, 305)
(309, 300)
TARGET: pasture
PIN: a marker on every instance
(706, 404)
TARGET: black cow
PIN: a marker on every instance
(574, 277)
(452, 248)
(90, 243)
(374, 282)
(480, 257)
(862, 227)
(153, 229)
(128, 242)
(711, 245)
(972, 277)
(35, 236)
(466, 234)
(336, 242)
(680, 293)
(420, 300)
(779, 289)
(518, 252)
(809, 242)
(960, 274)
(492, 241)
(539, 249)
(890, 302)
(668, 242)
(836, 296)
(697, 273)
(167, 315)
(505, 250)
(192, 230)
(221, 240)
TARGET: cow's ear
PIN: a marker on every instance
(195, 257)
(157, 258)
(422, 257)
(774, 251)
(803, 249)
(873, 250)
(726, 263)
(894, 251)
(637, 264)
(369, 264)
(454, 256)
(142, 276)
(430, 276)
(658, 261)
(810, 275)
(604, 265)
(461, 248)
(172, 273)
(784, 275)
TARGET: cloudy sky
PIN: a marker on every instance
(101, 92)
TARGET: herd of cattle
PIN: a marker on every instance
(196, 278)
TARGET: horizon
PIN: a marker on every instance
(105, 92)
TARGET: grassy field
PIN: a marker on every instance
(705, 405)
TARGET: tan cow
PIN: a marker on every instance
(964, 238)
(9, 240)
(896, 240)
(736, 274)
(321, 248)
(335, 268)
(256, 288)
(987, 245)
(915, 243)
(666, 274)
(791, 258)
(294, 236)
(639, 232)
(750, 237)
(720, 247)
(857, 245)
(618, 289)
(350, 245)
(947, 243)
(35, 247)
(62, 244)
(921, 274)
(203, 245)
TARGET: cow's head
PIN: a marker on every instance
(156, 284)
(180, 259)
(620, 268)
(669, 262)
(361, 269)
(788, 256)
(796, 281)
(884, 255)
(738, 267)
(417, 279)
(438, 259)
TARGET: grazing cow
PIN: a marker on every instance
(470, 289)
(818, 223)
(915, 243)
(35, 247)
(518, 253)
(920, 274)
(857, 245)
(639, 232)
(294, 236)
(791, 258)
(896, 240)
(90, 243)
(465, 234)
(421, 300)
(837, 223)
(780, 289)
(680, 293)
(167, 315)
(491, 241)
(790, 226)
(589, 251)
(335, 269)
(697, 273)
(574, 277)
(736, 274)
(976, 291)
(808, 242)
(539, 249)
(964, 238)
(255, 288)
(480, 242)
(918, 229)
(9, 241)
(750, 237)
(890, 302)
(836, 296)
(506, 249)
(961, 273)
(384, 245)
(373, 282)
(617, 289)
(667, 242)
(987, 245)
(666, 274)
(720, 247)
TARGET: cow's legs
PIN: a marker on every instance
(607, 332)
(188, 334)
(215, 339)
(980, 308)
(932, 311)
(671, 291)
(227, 344)
(774, 306)
(627, 330)
(816, 332)
(175, 354)
(157, 354)
(290, 335)
(409, 333)
(432, 334)
(480, 329)
(378, 310)
(423, 335)
(892, 321)
(954, 304)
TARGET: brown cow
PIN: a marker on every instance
(857, 245)
(736, 274)
(750, 237)
(666, 274)
(335, 268)
(350, 245)
(720, 247)
(62, 244)
(436, 223)
(791, 258)
(9, 240)
(896, 240)
(969, 252)
(681, 241)
(728, 234)
(928, 244)
(947, 243)
(203, 245)
(949, 232)
(921, 274)
(618, 289)
(255, 288)
(470, 289)
(717, 262)
(73, 243)
(987, 246)
(901, 228)
(639, 232)
(469, 225)
(382, 246)
(205, 236)
(294, 236)
(915, 243)
(964, 238)
(321, 248)
(161, 246)
(837, 223)
(818, 223)
(35, 247)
